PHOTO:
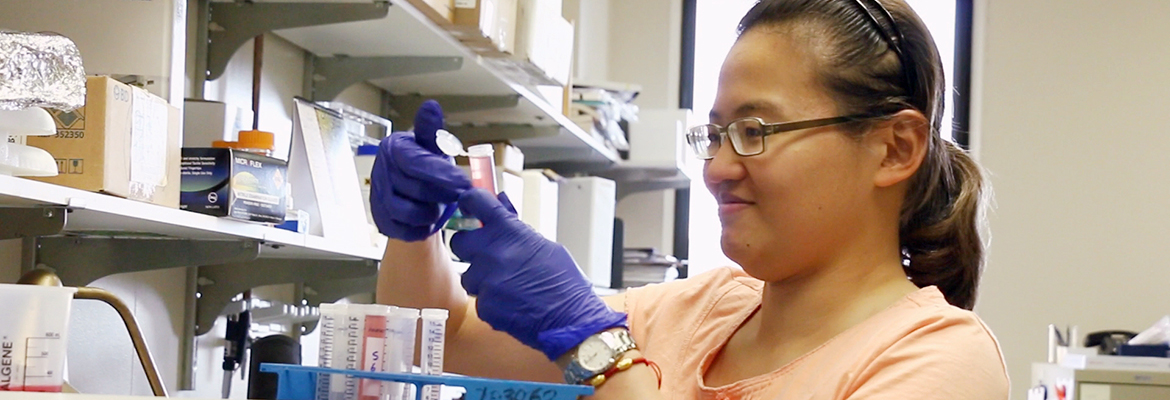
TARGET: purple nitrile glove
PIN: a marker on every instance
(526, 285)
(414, 186)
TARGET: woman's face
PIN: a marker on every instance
(809, 195)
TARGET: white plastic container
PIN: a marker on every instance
(403, 328)
(434, 327)
(332, 317)
(33, 323)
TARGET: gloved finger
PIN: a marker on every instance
(427, 121)
(419, 163)
(503, 197)
(409, 212)
(468, 245)
(484, 206)
(423, 190)
(384, 218)
(473, 278)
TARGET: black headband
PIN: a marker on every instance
(894, 38)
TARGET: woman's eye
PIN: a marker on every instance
(754, 132)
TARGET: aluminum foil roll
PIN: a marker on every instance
(40, 70)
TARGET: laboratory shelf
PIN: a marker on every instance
(406, 31)
(97, 214)
(296, 382)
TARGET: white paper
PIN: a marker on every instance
(333, 188)
(148, 140)
(1159, 333)
(465, 3)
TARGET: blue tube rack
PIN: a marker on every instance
(300, 383)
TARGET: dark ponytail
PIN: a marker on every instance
(942, 211)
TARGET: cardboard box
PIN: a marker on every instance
(544, 39)
(509, 157)
(486, 25)
(233, 183)
(438, 11)
(123, 142)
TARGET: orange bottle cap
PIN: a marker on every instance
(257, 140)
(221, 144)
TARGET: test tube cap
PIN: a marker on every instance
(369, 309)
(333, 307)
(406, 312)
(481, 150)
(434, 313)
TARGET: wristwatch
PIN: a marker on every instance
(597, 354)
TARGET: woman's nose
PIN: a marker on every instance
(726, 166)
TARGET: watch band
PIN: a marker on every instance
(619, 341)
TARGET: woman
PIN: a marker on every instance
(854, 222)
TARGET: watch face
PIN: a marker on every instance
(594, 354)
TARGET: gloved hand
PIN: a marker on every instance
(526, 285)
(414, 186)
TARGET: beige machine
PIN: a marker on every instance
(1064, 383)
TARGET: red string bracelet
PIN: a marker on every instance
(623, 365)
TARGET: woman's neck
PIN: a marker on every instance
(813, 308)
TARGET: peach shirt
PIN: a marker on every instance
(919, 348)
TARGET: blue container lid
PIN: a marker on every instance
(367, 150)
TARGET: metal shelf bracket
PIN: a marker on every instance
(319, 292)
(218, 284)
(487, 133)
(403, 107)
(31, 222)
(331, 75)
(231, 24)
(80, 260)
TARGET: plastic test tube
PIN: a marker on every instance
(373, 348)
(434, 328)
(332, 316)
(340, 354)
(354, 325)
(400, 350)
(482, 165)
(482, 160)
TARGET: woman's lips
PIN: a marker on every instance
(730, 204)
(732, 208)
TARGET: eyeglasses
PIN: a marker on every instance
(747, 134)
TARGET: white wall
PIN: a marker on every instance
(1072, 120)
(591, 19)
(645, 47)
(649, 220)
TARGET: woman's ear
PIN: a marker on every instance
(902, 142)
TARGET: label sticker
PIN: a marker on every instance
(148, 139)
(465, 3)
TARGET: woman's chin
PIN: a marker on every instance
(737, 247)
